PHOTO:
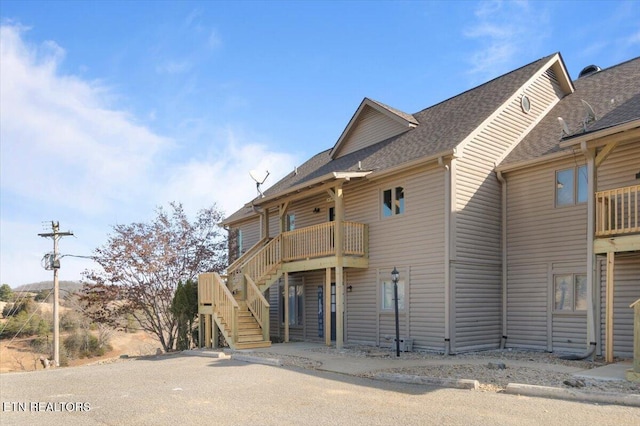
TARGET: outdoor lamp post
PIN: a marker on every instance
(395, 276)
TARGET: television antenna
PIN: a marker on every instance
(259, 178)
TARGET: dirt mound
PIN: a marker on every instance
(17, 354)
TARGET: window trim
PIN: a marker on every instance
(401, 296)
(397, 205)
(574, 286)
(576, 186)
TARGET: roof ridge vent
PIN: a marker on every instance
(588, 70)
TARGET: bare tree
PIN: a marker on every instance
(142, 264)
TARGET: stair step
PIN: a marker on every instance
(253, 345)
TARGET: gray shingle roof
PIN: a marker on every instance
(606, 91)
(442, 127)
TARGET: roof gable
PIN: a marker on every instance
(437, 131)
(605, 91)
(372, 122)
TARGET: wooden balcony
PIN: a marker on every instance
(319, 241)
(617, 212)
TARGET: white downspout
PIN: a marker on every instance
(591, 263)
(447, 254)
(503, 181)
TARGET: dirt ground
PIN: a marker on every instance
(17, 355)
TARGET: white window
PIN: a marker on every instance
(387, 302)
(570, 293)
(571, 186)
(393, 201)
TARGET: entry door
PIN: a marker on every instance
(321, 311)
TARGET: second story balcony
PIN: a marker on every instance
(617, 211)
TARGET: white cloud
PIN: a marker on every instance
(504, 32)
(60, 142)
(222, 175)
(69, 154)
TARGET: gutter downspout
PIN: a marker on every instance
(503, 181)
(591, 260)
(447, 253)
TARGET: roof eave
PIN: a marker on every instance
(309, 184)
(598, 137)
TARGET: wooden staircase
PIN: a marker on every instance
(237, 305)
(249, 330)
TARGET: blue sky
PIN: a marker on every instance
(111, 108)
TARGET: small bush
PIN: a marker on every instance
(83, 344)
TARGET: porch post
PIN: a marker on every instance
(207, 330)
(327, 308)
(200, 330)
(339, 243)
(609, 305)
(286, 307)
(215, 334)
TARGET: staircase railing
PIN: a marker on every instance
(258, 306)
(225, 307)
(264, 261)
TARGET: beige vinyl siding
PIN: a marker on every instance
(273, 297)
(372, 127)
(541, 240)
(414, 243)
(626, 291)
(362, 308)
(250, 233)
(427, 306)
(478, 248)
(620, 167)
(312, 280)
(478, 307)
(569, 332)
(527, 303)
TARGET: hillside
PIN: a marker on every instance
(67, 286)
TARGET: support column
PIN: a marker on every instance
(591, 257)
(207, 331)
(215, 334)
(609, 305)
(286, 307)
(201, 331)
(327, 308)
(339, 243)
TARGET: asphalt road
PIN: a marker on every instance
(188, 390)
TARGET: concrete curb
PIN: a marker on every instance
(257, 360)
(430, 381)
(208, 354)
(572, 395)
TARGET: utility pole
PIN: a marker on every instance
(53, 262)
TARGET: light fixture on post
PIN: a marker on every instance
(349, 288)
(395, 277)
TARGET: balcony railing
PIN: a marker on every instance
(617, 211)
(319, 241)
